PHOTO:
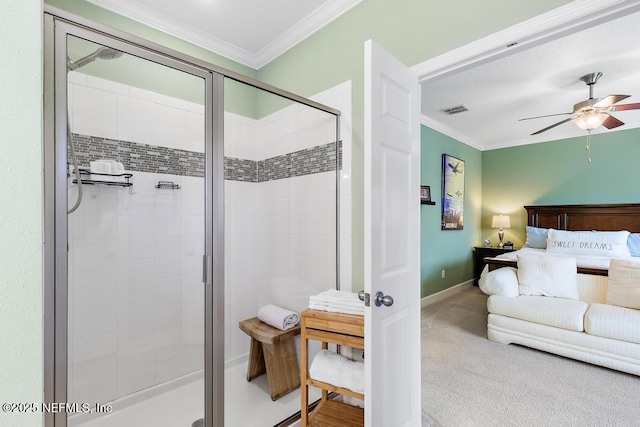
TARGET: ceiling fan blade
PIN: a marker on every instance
(548, 115)
(624, 107)
(608, 101)
(611, 122)
(553, 125)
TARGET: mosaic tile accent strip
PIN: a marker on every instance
(321, 158)
(154, 159)
(240, 169)
(138, 157)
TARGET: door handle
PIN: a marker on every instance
(364, 297)
(382, 299)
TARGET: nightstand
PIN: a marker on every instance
(479, 253)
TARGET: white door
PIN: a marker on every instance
(392, 240)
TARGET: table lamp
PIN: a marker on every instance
(501, 221)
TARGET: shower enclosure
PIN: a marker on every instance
(179, 198)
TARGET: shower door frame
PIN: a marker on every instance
(57, 25)
(56, 225)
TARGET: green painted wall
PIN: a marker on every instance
(21, 265)
(239, 99)
(558, 173)
(447, 250)
(414, 31)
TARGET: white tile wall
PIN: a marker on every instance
(137, 300)
(112, 110)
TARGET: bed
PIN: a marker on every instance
(590, 323)
(601, 217)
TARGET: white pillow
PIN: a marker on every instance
(548, 276)
(599, 243)
(503, 281)
(623, 288)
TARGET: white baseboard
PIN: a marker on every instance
(439, 296)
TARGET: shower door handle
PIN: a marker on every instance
(206, 270)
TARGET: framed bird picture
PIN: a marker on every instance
(452, 193)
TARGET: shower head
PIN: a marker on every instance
(104, 53)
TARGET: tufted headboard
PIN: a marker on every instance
(613, 217)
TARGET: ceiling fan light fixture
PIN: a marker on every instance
(590, 120)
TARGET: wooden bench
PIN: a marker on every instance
(272, 351)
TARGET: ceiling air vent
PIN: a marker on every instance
(454, 110)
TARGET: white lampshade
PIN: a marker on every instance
(590, 120)
(501, 221)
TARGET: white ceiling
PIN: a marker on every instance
(540, 80)
(248, 31)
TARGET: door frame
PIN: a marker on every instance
(56, 222)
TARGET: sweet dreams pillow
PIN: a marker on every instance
(623, 287)
(598, 243)
(548, 276)
(536, 238)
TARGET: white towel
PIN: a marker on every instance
(278, 317)
(328, 302)
(331, 309)
(100, 167)
(332, 368)
(336, 301)
(117, 168)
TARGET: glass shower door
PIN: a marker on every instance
(281, 170)
(138, 144)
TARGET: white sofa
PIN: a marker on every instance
(587, 329)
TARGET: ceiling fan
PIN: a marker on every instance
(593, 112)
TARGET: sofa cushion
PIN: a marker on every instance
(624, 283)
(548, 276)
(610, 321)
(503, 281)
(557, 312)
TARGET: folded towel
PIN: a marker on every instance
(332, 368)
(331, 309)
(117, 168)
(351, 305)
(100, 167)
(337, 302)
(278, 317)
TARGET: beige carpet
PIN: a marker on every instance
(468, 380)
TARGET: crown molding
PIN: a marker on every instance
(310, 24)
(548, 26)
(313, 22)
(452, 133)
(162, 23)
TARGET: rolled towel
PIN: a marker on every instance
(278, 317)
(332, 368)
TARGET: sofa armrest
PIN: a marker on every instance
(503, 282)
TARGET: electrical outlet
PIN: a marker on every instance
(443, 274)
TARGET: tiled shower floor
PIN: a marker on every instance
(247, 404)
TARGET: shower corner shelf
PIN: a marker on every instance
(111, 183)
